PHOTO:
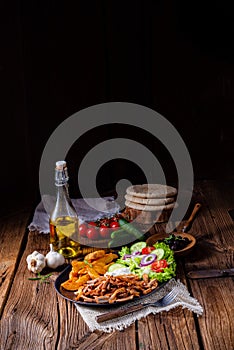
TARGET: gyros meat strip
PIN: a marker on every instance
(115, 289)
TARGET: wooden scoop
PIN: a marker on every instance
(161, 235)
(189, 222)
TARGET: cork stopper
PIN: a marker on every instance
(61, 164)
(61, 174)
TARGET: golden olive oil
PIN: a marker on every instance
(64, 236)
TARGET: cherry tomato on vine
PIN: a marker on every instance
(114, 224)
(83, 230)
(92, 233)
(114, 218)
(105, 222)
(104, 231)
(92, 223)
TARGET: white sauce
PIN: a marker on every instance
(118, 272)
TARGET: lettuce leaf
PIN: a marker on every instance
(123, 251)
(134, 264)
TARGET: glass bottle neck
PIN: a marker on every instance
(61, 177)
(61, 182)
(63, 206)
(62, 192)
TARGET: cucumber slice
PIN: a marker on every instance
(137, 247)
(159, 252)
(116, 266)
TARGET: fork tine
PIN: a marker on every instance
(170, 296)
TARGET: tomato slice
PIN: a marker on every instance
(147, 250)
(159, 270)
(159, 265)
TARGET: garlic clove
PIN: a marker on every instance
(36, 262)
(54, 259)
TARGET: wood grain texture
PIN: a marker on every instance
(11, 239)
(35, 316)
(214, 228)
(169, 330)
(217, 323)
(109, 341)
(28, 321)
(215, 249)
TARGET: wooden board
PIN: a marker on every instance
(36, 308)
(214, 250)
(217, 323)
(34, 316)
(28, 306)
(12, 238)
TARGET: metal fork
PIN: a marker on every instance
(166, 300)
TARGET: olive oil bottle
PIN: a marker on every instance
(64, 223)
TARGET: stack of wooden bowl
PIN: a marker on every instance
(150, 203)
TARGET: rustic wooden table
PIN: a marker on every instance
(33, 316)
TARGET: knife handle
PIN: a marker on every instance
(117, 313)
(191, 218)
(210, 273)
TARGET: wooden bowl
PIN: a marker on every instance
(159, 236)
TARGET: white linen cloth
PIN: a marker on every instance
(89, 209)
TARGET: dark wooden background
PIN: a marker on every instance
(176, 57)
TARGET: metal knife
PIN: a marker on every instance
(210, 273)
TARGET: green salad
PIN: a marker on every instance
(156, 261)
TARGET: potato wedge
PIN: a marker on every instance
(101, 269)
(74, 283)
(73, 274)
(93, 266)
(77, 265)
(95, 255)
(92, 273)
(106, 259)
(83, 271)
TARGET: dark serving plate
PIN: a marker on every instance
(70, 296)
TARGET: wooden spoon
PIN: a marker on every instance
(161, 235)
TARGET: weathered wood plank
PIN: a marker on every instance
(11, 239)
(110, 341)
(213, 228)
(217, 323)
(168, 330)
(215, 249)
(36, 317)
(29, 320)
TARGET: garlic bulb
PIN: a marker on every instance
(54, 259)
(36, 262)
